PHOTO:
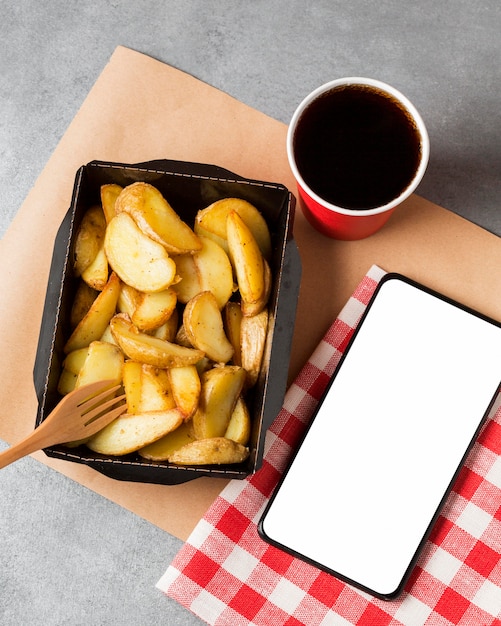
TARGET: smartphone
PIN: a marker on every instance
(380, 456)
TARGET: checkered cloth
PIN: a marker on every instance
(226, 575)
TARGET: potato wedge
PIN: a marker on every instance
(221, 388)
(161, 449)
(239, 426)
(203, 324)
(93, 325)
(138, 260)
(248, 262)
(141, 347)
(96, 275)
(84, 297)
(232, 318)
(131, 379)
(156, 218)
(104, 361)
(129, 433)
(208, 269)
(72, 365)
(156, 392)
(154, 309)
(185, 386)
(88, 239)
(74, 361)
(211, 222)
(167, 331)
(214, 451)
(128, 299)
(67, 381)
(109, 195)
(254, 308)
(253, 333)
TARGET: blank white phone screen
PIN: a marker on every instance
(385, 444)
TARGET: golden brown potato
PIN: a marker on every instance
(109, 195)
(214, 451)
(138, 260)
(93, 325)
(208, 269)
(156, 392)
(128, 433)
(131, 380)
(211, 222)
(167, 331)
(89, 239)
(232, 323)
(221, 388)
(185, 386)
(154, 309)
(161, 449)
(156, 218)
(141, 347)
(104, 361)
(249, 264)
(96, 275)
(84, 297)
(239, 426)
(203, 324)
(253, 332)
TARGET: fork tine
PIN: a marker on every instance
(92, 400)
(96, 411)
(103, 420)
(92, 389)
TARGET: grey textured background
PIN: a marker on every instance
(68, 555)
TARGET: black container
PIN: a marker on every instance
(188, 187)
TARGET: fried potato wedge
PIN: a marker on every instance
(239, 426)
(203, 324)
(214, 451)
(129, 433)
(128, 299)
(185, 386)
(167, 331)
(74, 361)
(232, 319)
(156, 392)
(161, 449)
(84, 297)
(88, 239)
(109, 195)
(253, 308)
(154, 309)
(93, 325)
(248, 262)
(96, 275)
(67, 381)
(253, 333)
(138, 260)
(145, 348)
(221, 388)
(131, 380)
(156, 218)
(208, 269)
(104, 361)
(211, 222)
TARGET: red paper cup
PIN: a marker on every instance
(357, 148)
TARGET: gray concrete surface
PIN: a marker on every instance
(446, 56)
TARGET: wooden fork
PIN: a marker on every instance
(79, 415)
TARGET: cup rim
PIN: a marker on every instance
(371, 82)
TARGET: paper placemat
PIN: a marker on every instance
(190, 120)
(228, 576)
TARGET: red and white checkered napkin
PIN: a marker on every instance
(227, 575)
